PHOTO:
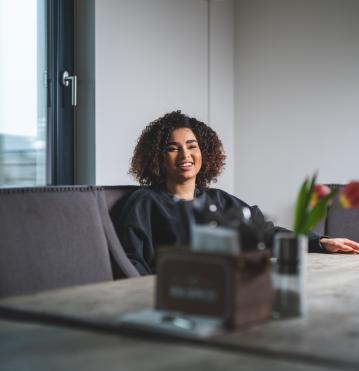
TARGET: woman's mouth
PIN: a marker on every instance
(185, 165)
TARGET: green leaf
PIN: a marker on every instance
(318, 212)
(301, 206)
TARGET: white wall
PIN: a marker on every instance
(221, 83)
(155, 56)
(296, 100)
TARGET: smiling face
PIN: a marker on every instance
(182, 158)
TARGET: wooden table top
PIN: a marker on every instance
(327, 337)
(37, 347)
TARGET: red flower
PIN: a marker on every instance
(349, 196)
(319, 191)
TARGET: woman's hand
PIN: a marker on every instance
(340, 245)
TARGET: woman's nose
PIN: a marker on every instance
(184, 152)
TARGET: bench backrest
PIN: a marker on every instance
(339, 222)
(58, 236)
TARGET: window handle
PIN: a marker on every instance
(66, 79)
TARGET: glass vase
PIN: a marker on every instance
(289, 251)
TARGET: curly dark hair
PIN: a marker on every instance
(147, 161)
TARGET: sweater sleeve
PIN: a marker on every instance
(135, 233)
(270, 231)
(136, 243)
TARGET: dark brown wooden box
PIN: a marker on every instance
(237, 288)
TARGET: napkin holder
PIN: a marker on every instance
(234, 288)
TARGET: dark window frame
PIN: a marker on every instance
(60, 116)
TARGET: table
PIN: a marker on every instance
(81, 330)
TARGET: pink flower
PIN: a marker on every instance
(349, 196)
(319, 191)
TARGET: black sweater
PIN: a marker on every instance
(150, 219)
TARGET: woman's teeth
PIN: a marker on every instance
(185, 165)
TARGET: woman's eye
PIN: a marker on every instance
(192, 147)
(172, 149)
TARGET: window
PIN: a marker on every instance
(36, 109)
(23, 124)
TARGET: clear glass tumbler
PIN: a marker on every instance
(289, 251)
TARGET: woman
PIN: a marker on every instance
(176, 158)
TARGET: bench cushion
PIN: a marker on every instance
(51, 237)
